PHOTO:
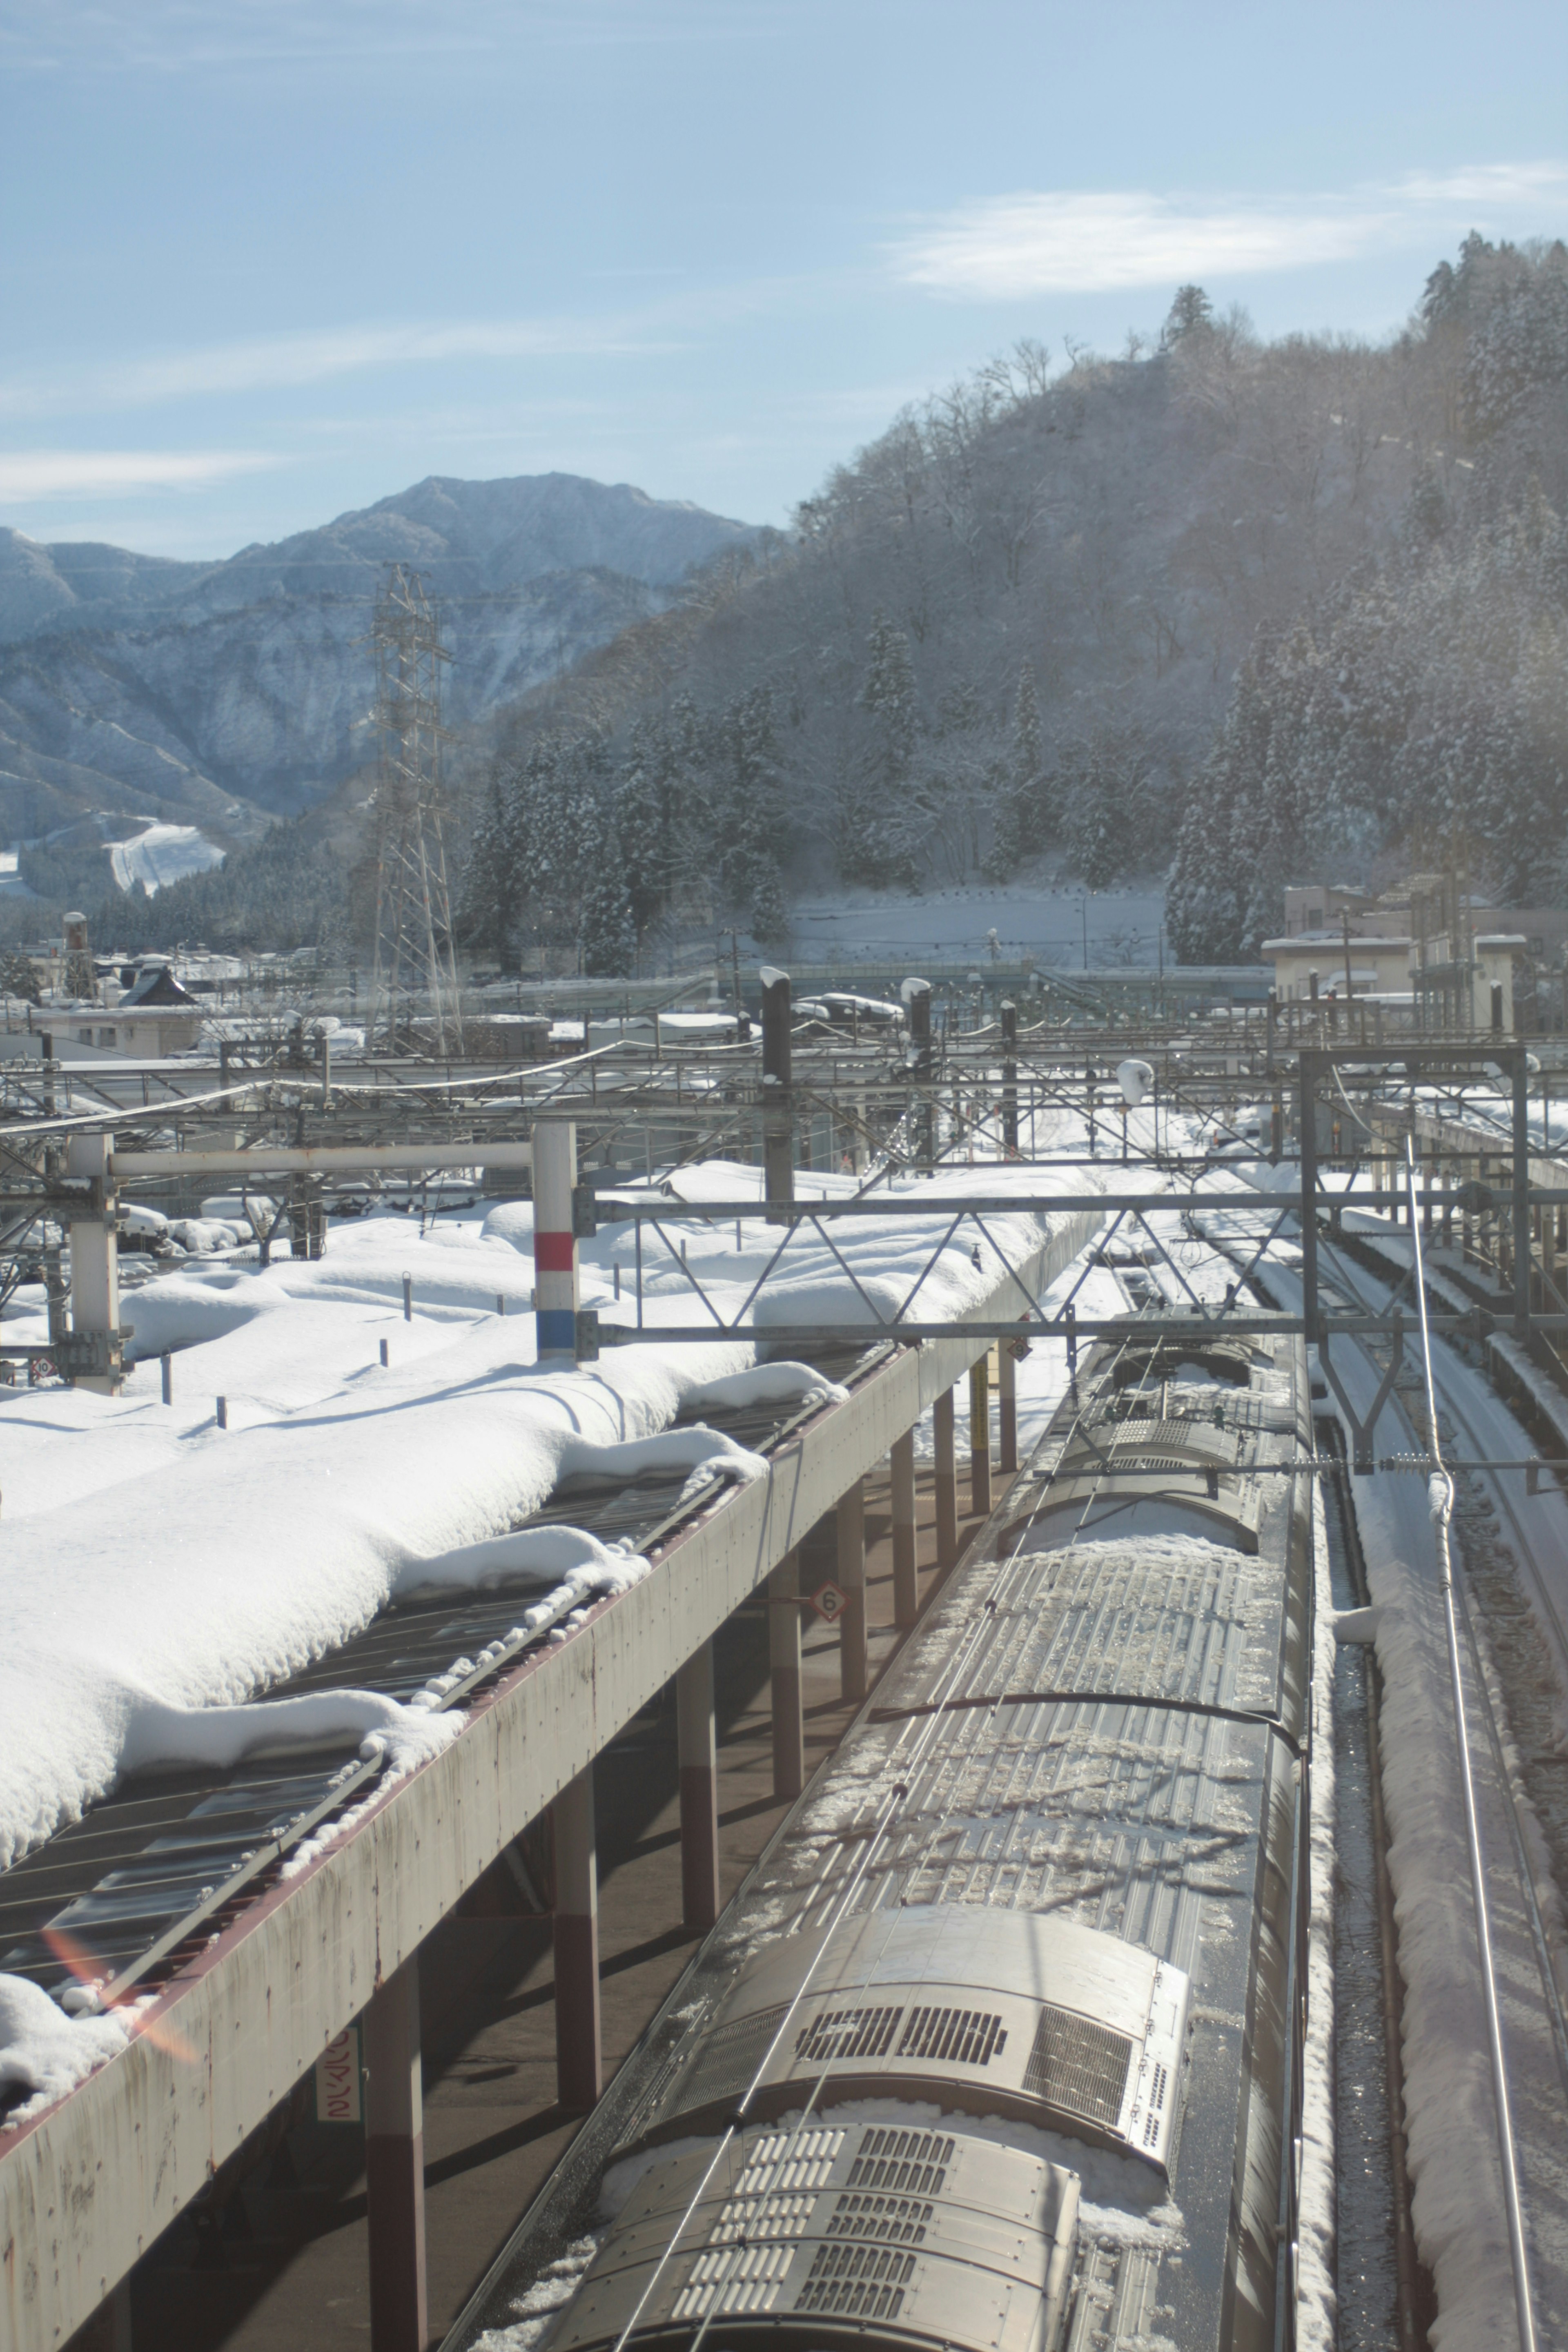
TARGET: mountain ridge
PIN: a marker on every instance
(231, 692)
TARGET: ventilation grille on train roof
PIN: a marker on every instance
(912, 2160)
(1078, 2066)
(960, 2037)
(969, 2037)
(849, 2033)
(857, 2282)
(888, 2220)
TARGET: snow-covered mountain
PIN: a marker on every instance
(219, 694)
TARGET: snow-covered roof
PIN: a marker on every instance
(1335, 940)
(157, 987)
(248, 1551)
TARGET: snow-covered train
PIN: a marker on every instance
(999, 2048)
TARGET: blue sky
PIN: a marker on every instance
(263, 261)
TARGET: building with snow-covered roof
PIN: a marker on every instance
(1317, 963)
(155, 1017)
(1328, 965)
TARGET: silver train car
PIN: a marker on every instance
(998, 2049)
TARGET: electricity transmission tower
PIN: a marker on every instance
(414, 975)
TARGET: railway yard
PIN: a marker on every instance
(849, 1685)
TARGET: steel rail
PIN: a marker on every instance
(1222, 1324)
(1441, 1497)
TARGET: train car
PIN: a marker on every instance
(998, 2049)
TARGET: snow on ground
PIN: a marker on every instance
(953, 926)
(44, 2050)
(1317, 2307)
(162, 852)
(156, 1562)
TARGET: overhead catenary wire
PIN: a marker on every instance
(1440, 1494)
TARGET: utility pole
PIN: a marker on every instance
(778, 1119)
(1009, 1078)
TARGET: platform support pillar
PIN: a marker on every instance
(577, 1945)
(95, 1260)
(980, 1436)
(906, 1562)
(699, 1789)
(1006, 1409)
(941, 1418)
(850, 1515)
(394, 2164)
(783, 1656)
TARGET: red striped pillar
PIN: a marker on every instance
(554, 1244)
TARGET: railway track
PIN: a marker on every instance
(1452, 2151)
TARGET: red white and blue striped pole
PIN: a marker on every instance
(554, 1244)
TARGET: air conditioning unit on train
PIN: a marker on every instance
(983, 2011)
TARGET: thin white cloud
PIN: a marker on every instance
(1500, 187)
(275, 362)
(199, 36)
(280, 361)
(1067, 241)
(30, 475)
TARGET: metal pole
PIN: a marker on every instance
(1006, 1408)
(850, 1522)
(980, 1436)
(946, 1479)
(916, 995)
(778, 1123)
(784, 1658)
(1308, 1145)
(699, 1789)
(906, 1575)
(1009, 1077)
(1520, 1073)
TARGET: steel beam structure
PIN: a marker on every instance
(88, 2184)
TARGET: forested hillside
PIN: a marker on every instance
(1236, 609)
(1418, 708)
(1223, 599)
